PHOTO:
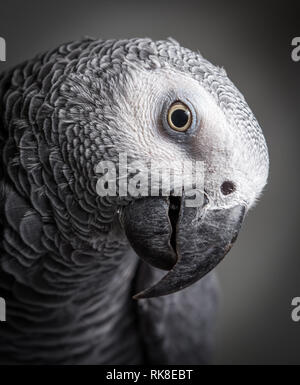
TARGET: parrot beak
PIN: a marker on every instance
(187, 241)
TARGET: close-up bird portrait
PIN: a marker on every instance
(148, 185)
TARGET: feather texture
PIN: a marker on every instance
(66, 268)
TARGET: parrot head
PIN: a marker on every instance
(158, 102)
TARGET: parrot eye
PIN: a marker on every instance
(179, 117)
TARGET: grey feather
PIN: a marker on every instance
(67, 270)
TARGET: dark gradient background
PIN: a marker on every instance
(253, 42)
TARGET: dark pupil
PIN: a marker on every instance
(180, 118)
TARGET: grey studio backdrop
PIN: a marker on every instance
(252, 42)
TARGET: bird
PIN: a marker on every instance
(112, 279)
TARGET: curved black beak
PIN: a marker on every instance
(188, 241)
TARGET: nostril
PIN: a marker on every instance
(227, 187)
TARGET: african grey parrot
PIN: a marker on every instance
(69, 258)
